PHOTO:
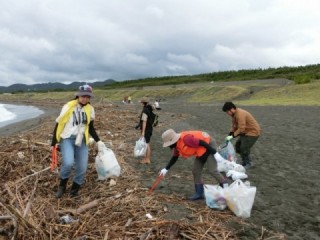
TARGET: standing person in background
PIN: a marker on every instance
(146, 127)
(129, 100)
(196, 144)
(244, 126)
(71, 131)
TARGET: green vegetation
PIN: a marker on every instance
(302, 74)
(306, 94)
(263, 87)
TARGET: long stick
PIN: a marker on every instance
(33, 174)
(87, 206)
(155, 184)
(26, 210)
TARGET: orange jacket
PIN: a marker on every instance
(186, 151)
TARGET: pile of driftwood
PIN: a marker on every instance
(112, 209)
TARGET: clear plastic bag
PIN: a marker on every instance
(240, 198)
(226, 166)
(140, 148)
(228, 152)
(236, 175)
(106, 164)
(215, 197)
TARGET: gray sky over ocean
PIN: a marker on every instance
(80, 40)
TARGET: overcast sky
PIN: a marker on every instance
(93, 40)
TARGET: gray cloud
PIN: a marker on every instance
(78, 40)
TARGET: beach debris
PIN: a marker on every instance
(112, 183)
(66, 219)
(128, 223)
(148, 215)
(27, 196)
(21, 155)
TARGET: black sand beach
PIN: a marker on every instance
(286, 164)
(285, 158)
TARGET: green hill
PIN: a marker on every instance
(279, 86)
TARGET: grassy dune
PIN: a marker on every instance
(247, 93)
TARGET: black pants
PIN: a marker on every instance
(243, 147)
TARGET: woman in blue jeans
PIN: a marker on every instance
(72, 130)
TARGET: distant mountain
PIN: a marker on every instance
(51, 86)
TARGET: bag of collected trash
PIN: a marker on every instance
(228, 152)
(214, 197)
(236, 175)
(140, 148)
(225, 166)
(240, 198)
(106, 164)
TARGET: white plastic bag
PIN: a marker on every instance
(236, 175)
(228, 152)
(106, 164)
(215, 197)
(140, 148)
(240, 198)
(225, 166)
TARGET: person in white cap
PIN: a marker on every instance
(71, 131)
(193, 144)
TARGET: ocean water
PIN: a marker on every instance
(10, 113)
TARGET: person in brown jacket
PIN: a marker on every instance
(244, 126)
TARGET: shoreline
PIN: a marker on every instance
(28, 124)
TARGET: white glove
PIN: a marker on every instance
(229, 138)
(101, 146)
(163, 172)
(218, 157)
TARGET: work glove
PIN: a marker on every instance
(218, 157)
(101, 146)
(163, 172)
(229, 138)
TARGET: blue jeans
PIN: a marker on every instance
(73, 155)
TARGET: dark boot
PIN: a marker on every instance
(246, 161)
(62, 187)
(74, 189)
(199, 192)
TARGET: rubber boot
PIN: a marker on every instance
(199, 192)
(62, 187)
(74, 189)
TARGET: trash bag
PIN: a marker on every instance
(106, 164)
(228, 152)
(226, 166)
(240, 198)
(140, 148)
(215, 197)
(236, 175)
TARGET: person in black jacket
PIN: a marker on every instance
(146, 127)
